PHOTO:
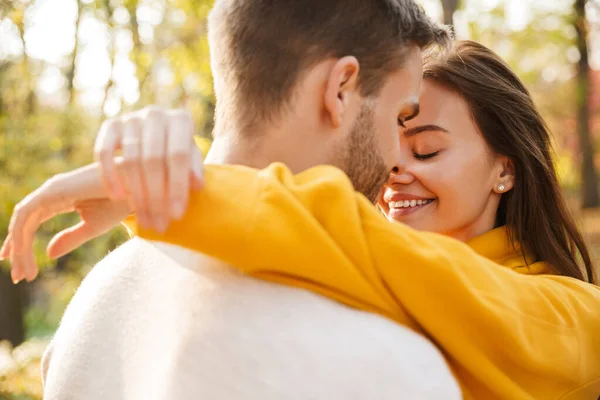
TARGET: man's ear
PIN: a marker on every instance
(342, 84)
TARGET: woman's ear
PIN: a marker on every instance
(342, 84)
(505, 176)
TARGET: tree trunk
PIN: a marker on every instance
(589, 177)
(31, 101)
(12, 308)
(3, 67)
(142, 71)
(449, 7)
(112, 53)
(71, 71)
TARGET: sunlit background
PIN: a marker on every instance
(108, 79)
(65, 65)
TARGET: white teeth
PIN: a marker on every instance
(408, 203)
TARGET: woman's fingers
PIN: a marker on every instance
(154, 137)
(108, 141)
(20, 263)
(16, 274)
(5, 249)
(161, 162)
(28, 215)
(20, 271)
(60, 194)
(70, 239)
(30, 270)
(98, 216)
(197, 176)
(132, 168)
(180, 146)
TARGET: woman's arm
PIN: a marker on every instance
(504, 333)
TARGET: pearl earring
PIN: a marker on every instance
(501, 188)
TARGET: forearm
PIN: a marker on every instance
(312, 230)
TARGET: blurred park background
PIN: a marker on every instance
(65, 65)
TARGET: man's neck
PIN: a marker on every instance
(228, 150)
(259, 153)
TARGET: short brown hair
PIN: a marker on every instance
(259, 48)
(534, 212)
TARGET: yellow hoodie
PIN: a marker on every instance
(506, 333)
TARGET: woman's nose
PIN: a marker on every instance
(400, 173)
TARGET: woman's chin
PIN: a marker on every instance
(419, 224)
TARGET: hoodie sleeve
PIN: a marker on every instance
(505, 334)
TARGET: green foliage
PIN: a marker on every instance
(542, 45)
(20, 377)
(39, 138)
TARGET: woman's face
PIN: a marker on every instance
(447, 179)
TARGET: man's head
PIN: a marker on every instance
(320, 82)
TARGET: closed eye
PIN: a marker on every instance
(425, 156)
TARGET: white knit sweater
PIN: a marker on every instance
(157, 322)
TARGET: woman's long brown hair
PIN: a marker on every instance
(534, 211)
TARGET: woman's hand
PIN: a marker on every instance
(161, 163)
(80, 190)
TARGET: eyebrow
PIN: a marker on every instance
(423, 128)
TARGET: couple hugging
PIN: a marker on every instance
(379, 217)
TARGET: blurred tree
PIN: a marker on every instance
(105, 11)
(449, 7)
(17, 16)
(140, 55)
(12, 307)
(164, 43)
(590, 196)
(43, 133)
(70, 75)
(12, 298)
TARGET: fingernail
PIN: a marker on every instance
(2, 250)
(16, 281)
(177, 209)
(161, 224)
(198, 183)
(143, 220)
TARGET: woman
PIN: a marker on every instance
(480, 155)
(476, 167)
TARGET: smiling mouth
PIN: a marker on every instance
(407, 204)
(400, 209)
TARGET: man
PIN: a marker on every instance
(305, 82)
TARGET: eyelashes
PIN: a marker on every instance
(425, 156)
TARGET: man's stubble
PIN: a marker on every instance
(360, 158)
